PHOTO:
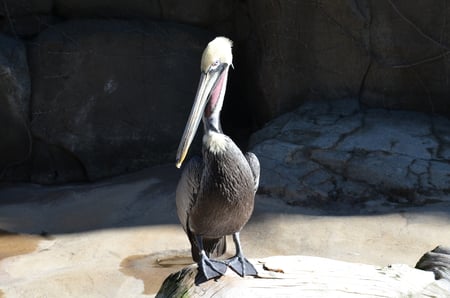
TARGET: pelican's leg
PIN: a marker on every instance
(239, 263)
(210, 268)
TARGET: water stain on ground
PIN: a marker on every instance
(12, 244)
(154, 268)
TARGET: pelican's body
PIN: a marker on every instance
(215, 195)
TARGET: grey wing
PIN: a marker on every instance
(187, 189)
(254, 166)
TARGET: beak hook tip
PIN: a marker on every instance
(178, 164)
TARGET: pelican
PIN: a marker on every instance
(215, 194)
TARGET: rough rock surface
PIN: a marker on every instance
(387, 53)
(15, 140)
(13, 8)
(437, 261)
(199, 12)
(111, 97)
(327, 152)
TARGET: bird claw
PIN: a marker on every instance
(241, 266)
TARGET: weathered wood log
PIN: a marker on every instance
(303, 276)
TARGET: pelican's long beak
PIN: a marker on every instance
(209, 89)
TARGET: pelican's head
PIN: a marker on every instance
(217, 52)
(216, 60)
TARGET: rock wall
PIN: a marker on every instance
(15, 143)
(113, 91)
(333, 153)
(390, 54)
(112, 82)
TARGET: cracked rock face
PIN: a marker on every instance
(390, 54)
(332, 152)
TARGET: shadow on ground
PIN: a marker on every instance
(146, 198)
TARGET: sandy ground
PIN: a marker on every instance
(120, 237)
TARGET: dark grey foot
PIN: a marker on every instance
(211, 268)
(241, 266)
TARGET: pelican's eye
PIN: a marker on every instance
(214, 65)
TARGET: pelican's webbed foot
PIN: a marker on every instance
(207, 267)
(211, 268)
(239, 263)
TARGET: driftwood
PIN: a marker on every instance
(303, 276)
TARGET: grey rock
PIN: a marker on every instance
(15, 141)
(54, 164)
(199, 12)
(13, 8)
(437, 261)
(408, 70)
(389, 54)
(393, 131)
(301, 50)
(113, 95)
(27, 26)
(317, 155)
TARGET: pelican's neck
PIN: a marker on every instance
(213, 137)
(212, 123)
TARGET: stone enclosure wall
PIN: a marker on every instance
(91, 89)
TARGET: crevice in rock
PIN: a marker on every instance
(437, 137)
(54, 164)
(25, 158)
